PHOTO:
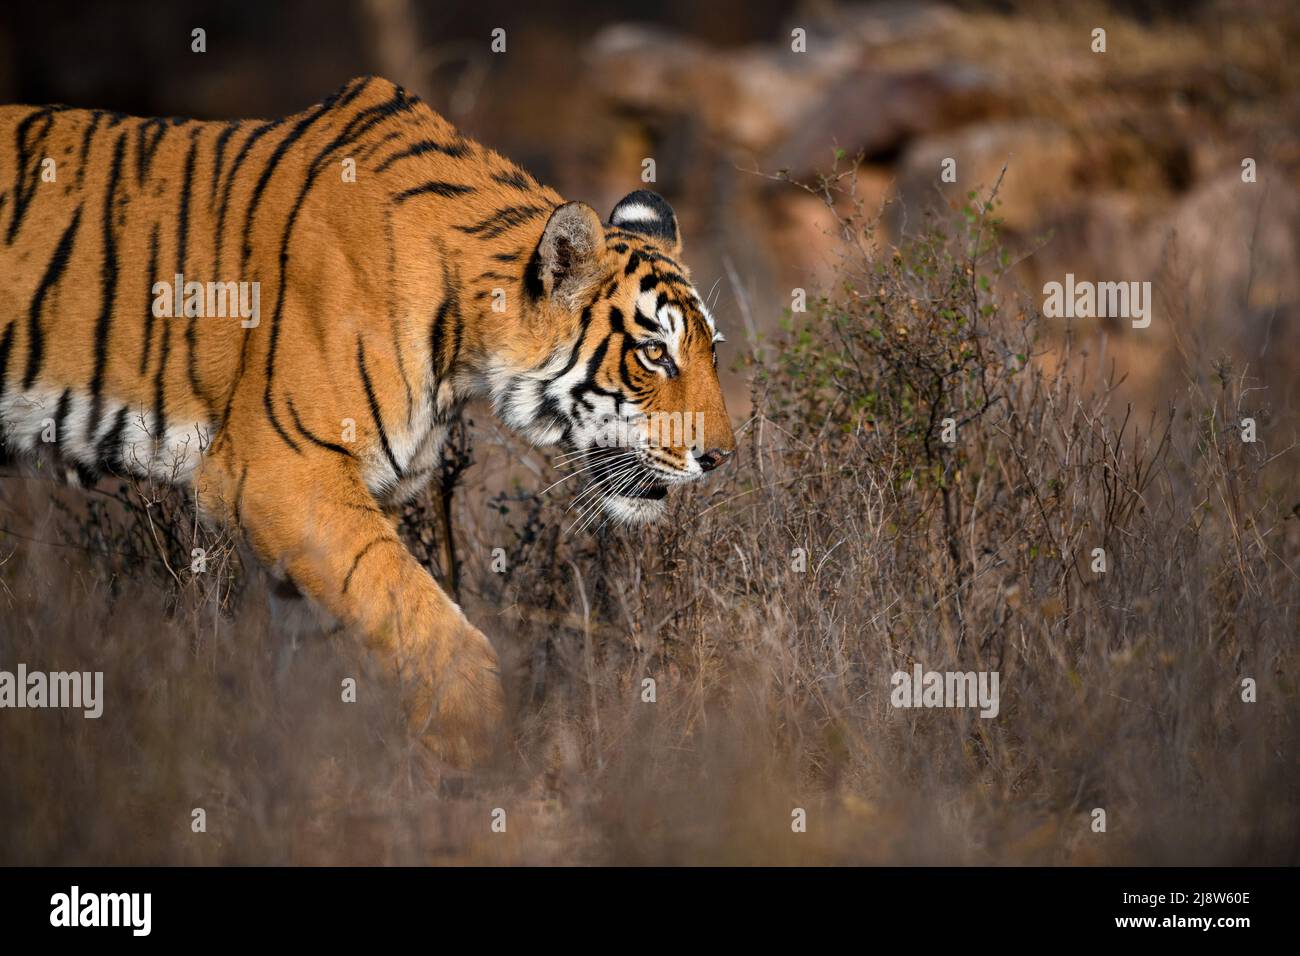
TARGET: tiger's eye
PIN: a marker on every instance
(654, 351)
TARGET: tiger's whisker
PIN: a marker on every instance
(633, 480)
(645, 482)
(607, 480)
(593, 466)
(592, 507)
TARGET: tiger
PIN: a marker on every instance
(285, 317)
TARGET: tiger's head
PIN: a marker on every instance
(623, 373)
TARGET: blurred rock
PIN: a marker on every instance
(1042, 163)
(877, 113)
(749, 97)
(1224, 260)
(1236, 243)
(789, 107)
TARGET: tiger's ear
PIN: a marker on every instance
(565, 258)
(648, 213)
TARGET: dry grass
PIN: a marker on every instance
(1118, 690)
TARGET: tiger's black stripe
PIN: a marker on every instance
(58, 262)
(268, 170)
(652, 279)
(350, 93)
(310, 436)
(27, 151)
(645, 321)
(515, 178)
(503, 220)
(438, 334)
(108, 279)
(219, 158)
(615, 318)
(146, 147)
(435, 188)
(593, 366)
(642, 254)
(448, 320)
(455, 149)
(374, 147)
(375, 413)
(268, 406)
(60, 416)
(6, 346)
(148, 299)
(366, 549)
(108, 452)
(249, 142)
(160, 384)
(87, 137)
(576, 352)
(182, 257)
(239, 493)
(615, 232)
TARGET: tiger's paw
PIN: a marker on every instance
(458, 710)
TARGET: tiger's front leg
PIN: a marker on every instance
(316, 521)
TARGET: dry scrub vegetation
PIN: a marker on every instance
(1119, 690)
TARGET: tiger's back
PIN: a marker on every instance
(110, 218)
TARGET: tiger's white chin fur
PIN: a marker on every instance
(635, 510)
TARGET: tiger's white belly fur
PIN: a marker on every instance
(122, 438)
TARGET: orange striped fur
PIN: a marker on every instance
(399, 269)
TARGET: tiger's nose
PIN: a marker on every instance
(712, 458)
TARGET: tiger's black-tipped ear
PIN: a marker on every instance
(648, 213)
(564, 260)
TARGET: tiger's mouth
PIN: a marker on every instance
(641, 505)
(654, 492)
(622, 486)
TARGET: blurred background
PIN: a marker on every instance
(1122, 165)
